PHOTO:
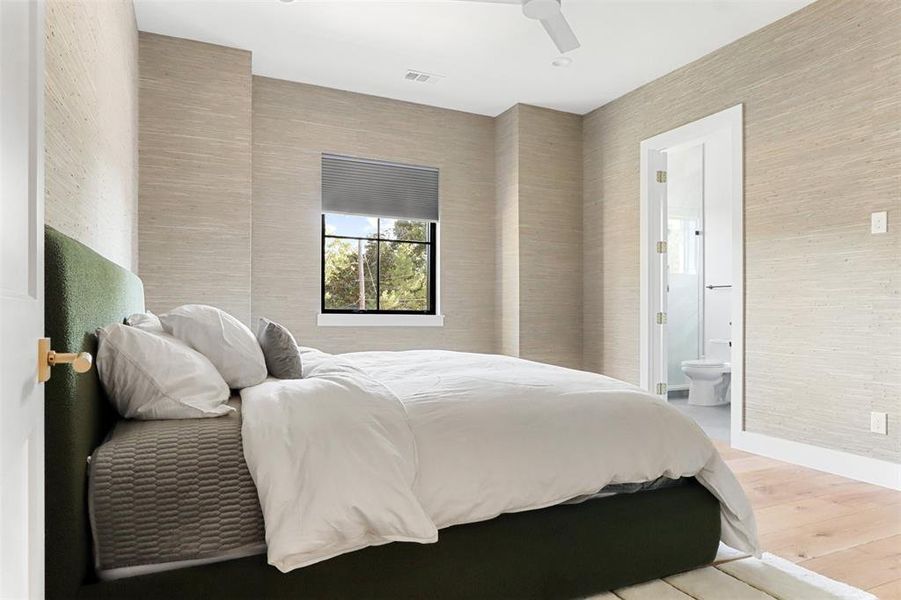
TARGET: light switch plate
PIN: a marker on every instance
(879, 423)
(879, 222)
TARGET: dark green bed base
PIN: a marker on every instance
(567, 551)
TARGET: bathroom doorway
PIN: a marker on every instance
(691, 270)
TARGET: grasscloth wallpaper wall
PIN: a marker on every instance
(822, 150)
(506, 142)
(255, 251)
(293, 124)
(539, 246)
(195, 191)
(91, 125)
(550, 243)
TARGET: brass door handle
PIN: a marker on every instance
(81, 361)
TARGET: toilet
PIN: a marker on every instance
(708, 381)
(709, 377)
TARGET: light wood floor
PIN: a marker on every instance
(843, 529)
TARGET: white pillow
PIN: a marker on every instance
(155, 376)
(223, 339)
(147, 321)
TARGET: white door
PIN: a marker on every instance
(660, 271)
(21, 299)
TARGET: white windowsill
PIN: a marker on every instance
(361, 320)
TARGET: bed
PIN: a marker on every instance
(563, 551)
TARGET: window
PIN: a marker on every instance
(376, 265)
(379, 237)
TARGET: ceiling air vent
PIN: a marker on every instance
(422, 77)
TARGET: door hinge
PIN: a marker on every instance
(661, 247)
(661, 176)
(661, 318)
(661, 389)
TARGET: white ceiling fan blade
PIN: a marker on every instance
(558, 28)
(518, 2)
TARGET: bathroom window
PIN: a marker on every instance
(682, 245)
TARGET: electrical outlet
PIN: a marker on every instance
(879, 423)
(879, 222)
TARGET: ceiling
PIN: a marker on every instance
(490, 56)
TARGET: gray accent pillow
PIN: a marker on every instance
(279, 349)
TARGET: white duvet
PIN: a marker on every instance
(375, 447)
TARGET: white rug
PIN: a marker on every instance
(737, 576)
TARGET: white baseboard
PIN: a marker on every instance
(861, 468)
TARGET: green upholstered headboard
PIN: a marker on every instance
(83, 291)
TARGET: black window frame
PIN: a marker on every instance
(431, 249)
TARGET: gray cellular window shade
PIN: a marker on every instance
(357, 186)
